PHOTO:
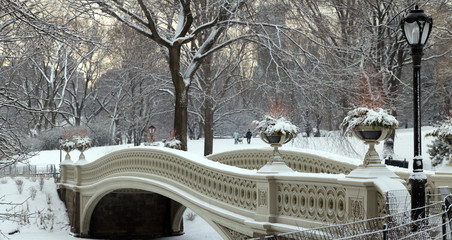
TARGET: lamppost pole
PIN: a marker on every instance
(416, 53)
(60, 141)
(416, 27)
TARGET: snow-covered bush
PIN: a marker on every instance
(100, 135)
(440, 149)
(41, 183)
(190, 216)
(173, 143)
(443, 130)
(46, 140)
(33, 192)
(363, 116)
(439, 152)
(20, 185)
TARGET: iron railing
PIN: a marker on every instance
(397, 225)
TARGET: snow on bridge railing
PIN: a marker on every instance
(297, 160)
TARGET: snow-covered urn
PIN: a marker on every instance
(444, 133)
(82, 144)
(276, 132)
(366, 117)
(370, 126)
(67, 146)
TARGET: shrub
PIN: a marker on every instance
(190, 216)
(438, 151)
(100, 135)
(20, 185)
(33, 192)
(47, 140)
(41, 183)
(49, 198)
(4, 180)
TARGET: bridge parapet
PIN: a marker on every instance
(298, 161)
(235, 201)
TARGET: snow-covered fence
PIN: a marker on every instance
(29, 170)
(298, 161)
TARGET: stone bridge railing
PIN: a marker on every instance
(311, 163)
(237, 202)
(298, 161)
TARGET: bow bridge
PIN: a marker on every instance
(144, 192)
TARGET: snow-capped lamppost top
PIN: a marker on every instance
(416, 27)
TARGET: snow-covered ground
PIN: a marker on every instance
(37, 212)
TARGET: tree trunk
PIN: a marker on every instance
(181, 115)
(208, 128)
(181, 97)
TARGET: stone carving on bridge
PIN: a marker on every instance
(324, 203)
(262, 197)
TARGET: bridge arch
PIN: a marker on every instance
(103, 188)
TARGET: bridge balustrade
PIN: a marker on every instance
(297, 160)
(238, 203)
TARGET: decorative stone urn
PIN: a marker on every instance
(371, 127)
(67, 146)
(275, 131)
(372, 166)
(275, 163)
(82, 144)
(371, 135)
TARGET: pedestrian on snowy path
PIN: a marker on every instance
(236, 137)
(248, 136)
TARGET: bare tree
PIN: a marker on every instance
(171, 26)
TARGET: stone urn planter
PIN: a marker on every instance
(371, 127)
(82, 144)
(371, 135)
(67, 146)
(276, 132)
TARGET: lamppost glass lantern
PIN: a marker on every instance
(416, 27)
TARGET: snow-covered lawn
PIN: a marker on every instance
(43, 216)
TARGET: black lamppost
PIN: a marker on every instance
(416, 27)
(60, 142)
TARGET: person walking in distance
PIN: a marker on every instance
(236, 137)
(248, 136)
